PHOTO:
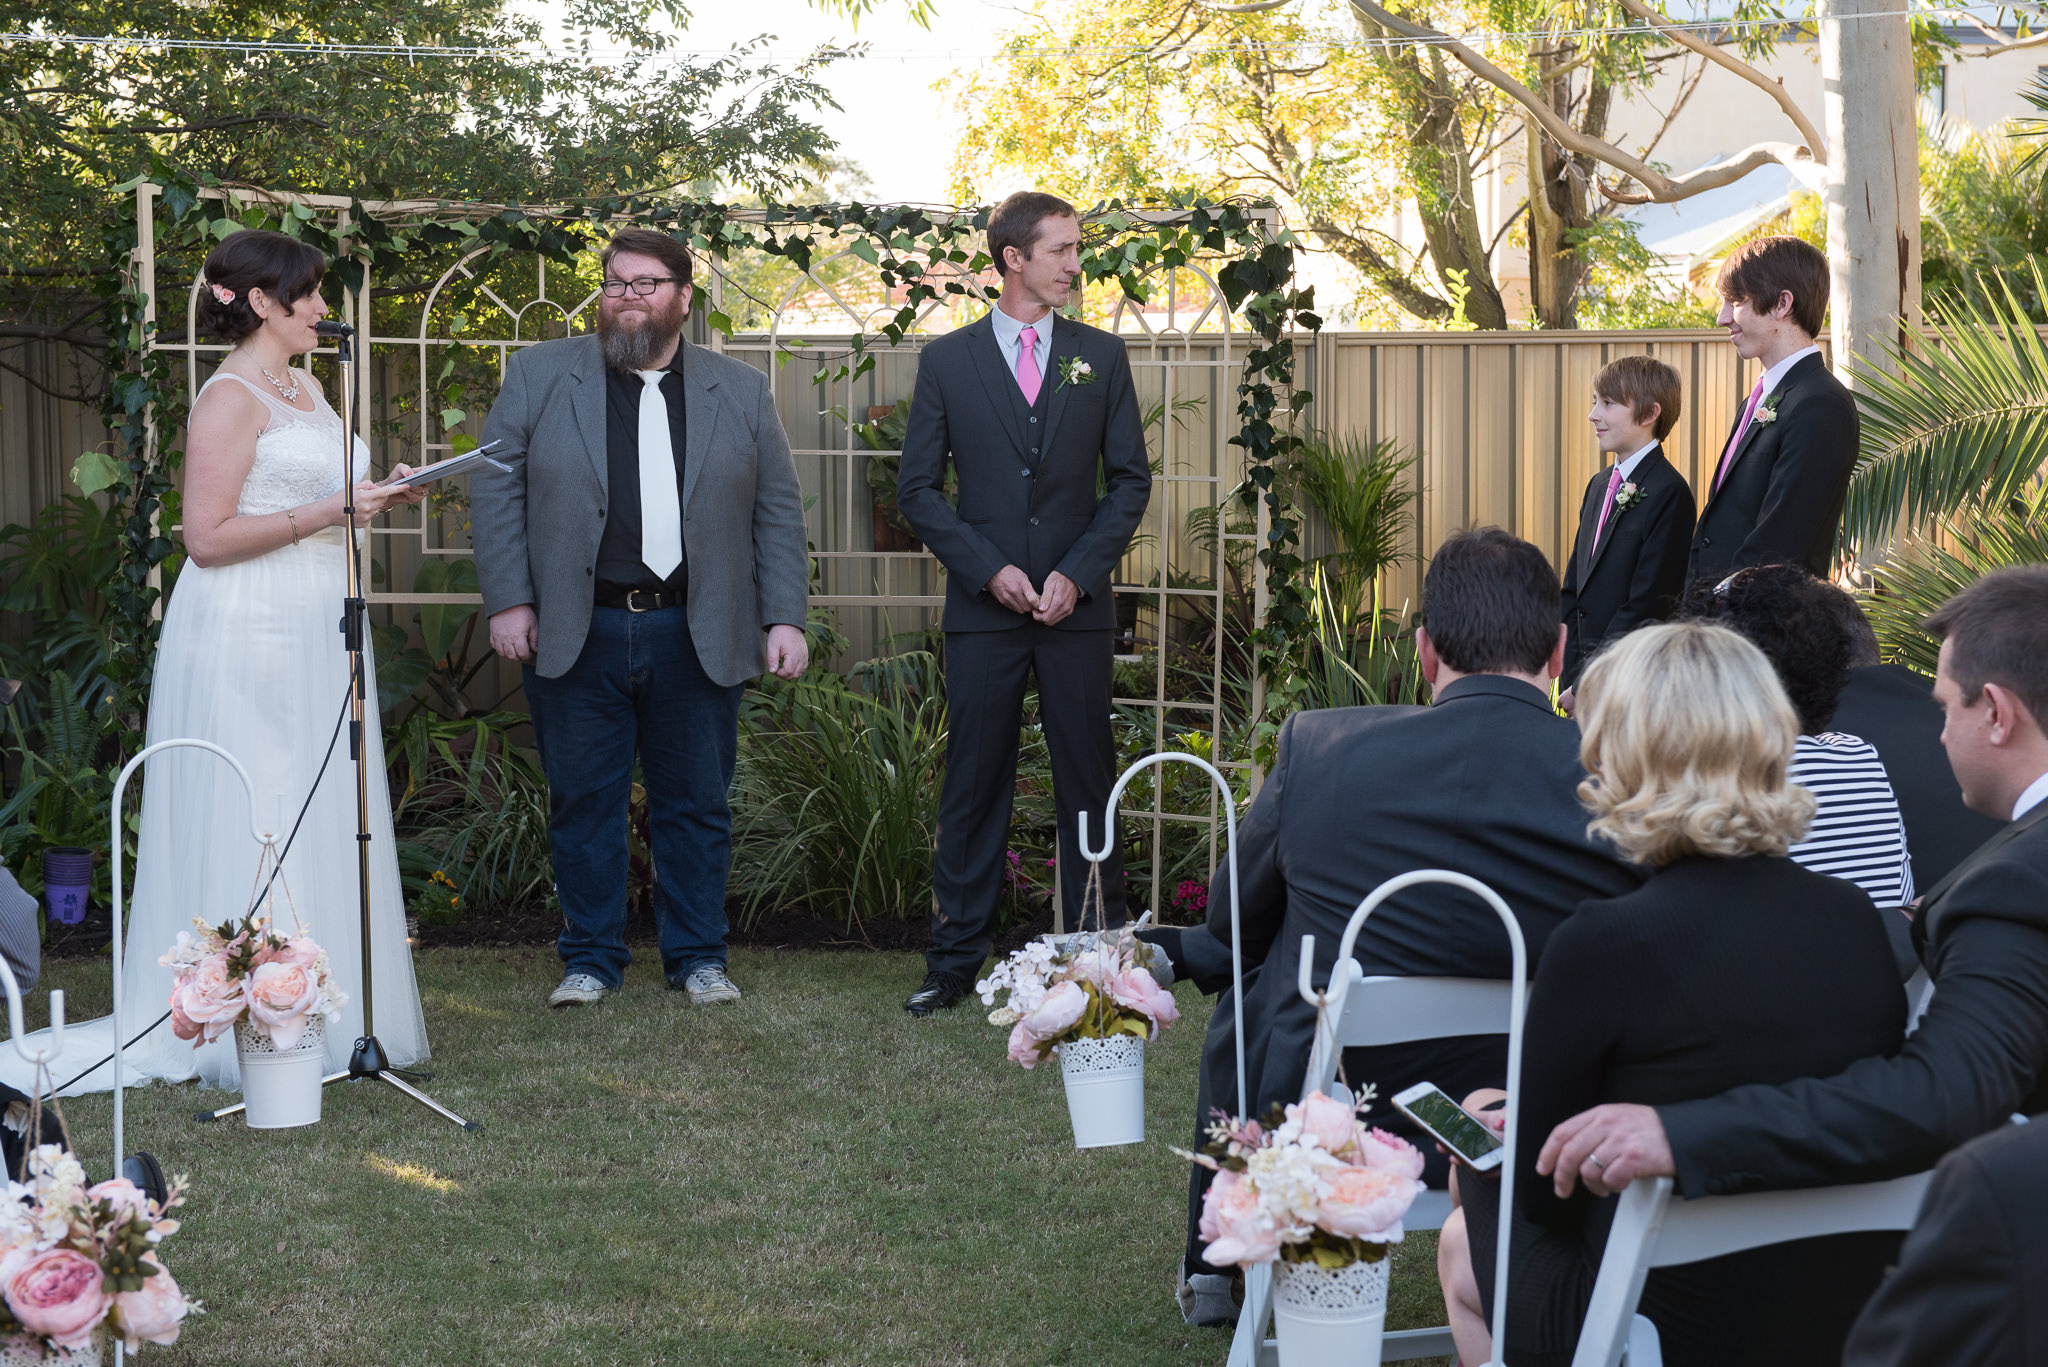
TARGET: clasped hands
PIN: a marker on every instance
(1011, 587)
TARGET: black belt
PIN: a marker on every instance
(637, 600)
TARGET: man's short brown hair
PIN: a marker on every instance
(1640, 381)
(1017, 221)
(646, 242)
(1761, 272)
(1997, 632)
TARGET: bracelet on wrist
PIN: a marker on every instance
(291, 516)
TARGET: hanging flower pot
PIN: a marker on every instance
(1105, 1090)
(281, 1087)
(67, 883)
(1330, 1316)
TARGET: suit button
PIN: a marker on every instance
(1034, 420)
(1025, 473)
(1034, 450)
(1034, 522)
(590, 570)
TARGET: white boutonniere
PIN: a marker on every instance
(1767, 411)
(1074, 370)
(1627, 496)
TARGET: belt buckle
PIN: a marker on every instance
(633, 607)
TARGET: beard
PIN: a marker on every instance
(631, 340)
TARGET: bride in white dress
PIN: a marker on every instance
(252, 660)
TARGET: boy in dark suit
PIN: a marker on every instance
(1627, 566)
(1775, 497)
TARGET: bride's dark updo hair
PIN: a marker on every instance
(282, 267)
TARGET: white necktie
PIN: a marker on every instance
(661, 510)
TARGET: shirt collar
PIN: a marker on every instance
(1776, 374)
(2034, 796)
(1008, 329)
(1628, 467)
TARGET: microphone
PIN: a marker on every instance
(327, 327)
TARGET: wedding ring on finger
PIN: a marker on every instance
(1597, 1161)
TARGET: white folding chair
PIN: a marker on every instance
(1651, 1230)
(1360, 1012)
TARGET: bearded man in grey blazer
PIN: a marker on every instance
(1035, 413)
(643, 557)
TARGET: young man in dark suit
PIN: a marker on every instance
(1980, 1053)
(1034, 412)
(1776, 493)
(1635, 523)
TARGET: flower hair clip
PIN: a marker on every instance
(221, 292)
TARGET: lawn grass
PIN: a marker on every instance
(809, 1176)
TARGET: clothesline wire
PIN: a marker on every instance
(417, 51)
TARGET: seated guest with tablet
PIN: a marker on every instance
(1732, 964)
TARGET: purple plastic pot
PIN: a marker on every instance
(67, 883)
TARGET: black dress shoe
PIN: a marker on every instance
(144, 1171)
(939, 991)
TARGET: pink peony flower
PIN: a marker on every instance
(122, 1194)
(153, 1314)
(1023, 1048)
(1330, 1121)
(281, 996)
(298, 950)
(182, 1025)
(1139, 991)
(1390, 1153)
(1234, 1227)
(1056, 1015)
(209, 998)
(1365, 1203)
(55, 1293)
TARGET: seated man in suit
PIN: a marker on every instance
(1894, 709)
(1483, 783)
(1776, 493)
(1981, 1051)
(1627, 567)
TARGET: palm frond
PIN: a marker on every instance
(1962, 422)
(1927, 573)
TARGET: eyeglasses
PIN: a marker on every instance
(646, 284)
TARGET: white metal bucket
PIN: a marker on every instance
(1105, 1090)
(1330, 1318)
(281, 1088)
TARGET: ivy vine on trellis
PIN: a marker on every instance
(926, 254)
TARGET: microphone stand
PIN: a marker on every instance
(368, 1060)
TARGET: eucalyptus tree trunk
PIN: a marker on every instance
(1873, 182)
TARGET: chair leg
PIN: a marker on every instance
(1252, 1317)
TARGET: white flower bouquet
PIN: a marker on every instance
(1095, 987)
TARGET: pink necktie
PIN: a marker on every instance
(1741, 429)
(1613, 485)
(1028, 378)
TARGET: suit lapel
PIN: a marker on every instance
(1066, 346)
(1589, 518)
(700, 399)
(1793, 377)
(1641, 479)
(1931, 904)
(1001, 385)
(587, 402)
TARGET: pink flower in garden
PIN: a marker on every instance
(209, 998)
(1056, 1015)
(1330, 1121)
(1389, 1153)
(281, 995)
(1234, 1226)
(1140, 991)
(153, 1314)
(1365, 1203)
(55, 1293)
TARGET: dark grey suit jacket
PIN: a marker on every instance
(1028, 483)
(536, 528)
(1972, 1280)
(1482, 783)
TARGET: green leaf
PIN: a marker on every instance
(94, 471)
(453, 417)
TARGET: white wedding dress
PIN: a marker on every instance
(251, 659)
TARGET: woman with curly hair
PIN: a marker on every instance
(1731, 965)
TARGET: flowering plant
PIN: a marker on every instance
(1074, 370)
(74, 1257)
(1094, 988)
(1313, 1184)
(231, 972)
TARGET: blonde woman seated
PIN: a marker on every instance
(1732, 964)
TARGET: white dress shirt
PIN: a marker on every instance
(1009, 333)
(2034, 796)
(1628, 467)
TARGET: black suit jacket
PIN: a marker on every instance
(1782, 499)
(1980, 1054)
(1028, 479)
(1894, 709)
(1636, 572)
(1971, 1278)
(1482, 783)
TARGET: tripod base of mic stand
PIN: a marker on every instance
(368, 1061)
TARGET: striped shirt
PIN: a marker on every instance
(1857, 833)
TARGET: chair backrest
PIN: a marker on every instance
(1651, 1230)
(1382, 1010)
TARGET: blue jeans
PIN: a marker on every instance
(638, 686)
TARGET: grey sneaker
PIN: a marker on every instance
(709, 984)
(578, 989)
(1205, 1299)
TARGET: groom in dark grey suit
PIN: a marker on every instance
(1035, 412)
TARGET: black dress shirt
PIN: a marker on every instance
(618, 551)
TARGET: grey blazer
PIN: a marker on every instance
(536, 527)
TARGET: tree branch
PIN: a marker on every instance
(1789, 107)
(230, 121)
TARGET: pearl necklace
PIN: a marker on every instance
(291, 394)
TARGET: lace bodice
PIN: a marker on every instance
(296, 458)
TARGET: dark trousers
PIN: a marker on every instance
(638, 688)
(986, 674)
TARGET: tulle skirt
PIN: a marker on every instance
(251, 659)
